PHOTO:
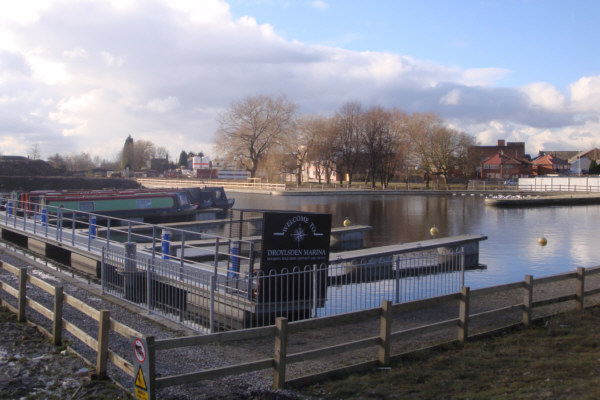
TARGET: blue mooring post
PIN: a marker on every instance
(44, 216)
(166, 243)
(234, 269)
(10, 207)
(92, 226)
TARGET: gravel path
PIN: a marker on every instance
(253, 385)
(256, 384)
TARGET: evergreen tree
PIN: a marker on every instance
(127, 156)
(183, 157)
(594, 168)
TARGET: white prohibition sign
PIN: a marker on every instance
(139, 350)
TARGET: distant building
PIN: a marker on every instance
(201, 163)
(478, 154)
(580, 162)
(562, 154)
(550, 164)
(159, 164)
(503, 167)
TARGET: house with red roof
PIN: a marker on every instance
(503, 167)
(550, 164)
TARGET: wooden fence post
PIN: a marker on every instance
(385, 330)
(579, 302)
(463, 323)
(151, 367)
(102, 356)
(22, 300)
(527, 300)
(280, 353)
(58, 311)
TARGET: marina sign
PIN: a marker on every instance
(294, 239)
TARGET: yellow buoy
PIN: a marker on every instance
(347, 222)
(434, 231)
(542, 241)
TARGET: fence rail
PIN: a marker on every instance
(578, 287)
(383, 342)
(98, 344)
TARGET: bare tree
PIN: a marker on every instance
(322, 152)
(161, 152)
(394, 147)
(375, 131)
(309, 146)
(143, 152)
(438, 148)
(348, 137)
(251, 127)
(58, 162)
(79, 162)
(419, 128)
(34, 152)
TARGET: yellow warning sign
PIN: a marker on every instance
(140, 394)
(140, 381)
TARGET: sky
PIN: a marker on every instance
(81, 75)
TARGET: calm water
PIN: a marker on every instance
(511, 251)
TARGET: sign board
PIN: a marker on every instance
(141, 366)
(294, 242)
(294, 239)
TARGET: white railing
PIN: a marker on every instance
(582, 184)
(182, 183)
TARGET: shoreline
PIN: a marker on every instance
(541, 201)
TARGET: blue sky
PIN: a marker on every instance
(534, 40)
(80, 76)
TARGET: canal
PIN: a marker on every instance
(511, 251)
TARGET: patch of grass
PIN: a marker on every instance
(556, 358)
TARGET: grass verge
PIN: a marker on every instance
(557, 358)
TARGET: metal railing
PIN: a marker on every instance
(212, 282)
(211, 301)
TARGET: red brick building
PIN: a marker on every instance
(550, 165)
(503, 167)
(478, 154)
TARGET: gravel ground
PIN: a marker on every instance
(254, 385)
(246, 386)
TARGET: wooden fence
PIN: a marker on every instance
(105, 323)
(524, 305)
(383, 341)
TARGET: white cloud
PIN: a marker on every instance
(82, 76)
(482, 76)
(544, 95)
(22, 12)
(320, 4)
(163, 105)
(203, 12)
(47, 70)
(586, 94)
(111, 60)
(75, 53)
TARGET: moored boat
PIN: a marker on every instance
(210, 196)
(118, 204)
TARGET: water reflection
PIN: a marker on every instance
(510, 252)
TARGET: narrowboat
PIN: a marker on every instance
(152, 205)
(126, 204)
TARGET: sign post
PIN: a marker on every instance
(143, 368)
(294, 241)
